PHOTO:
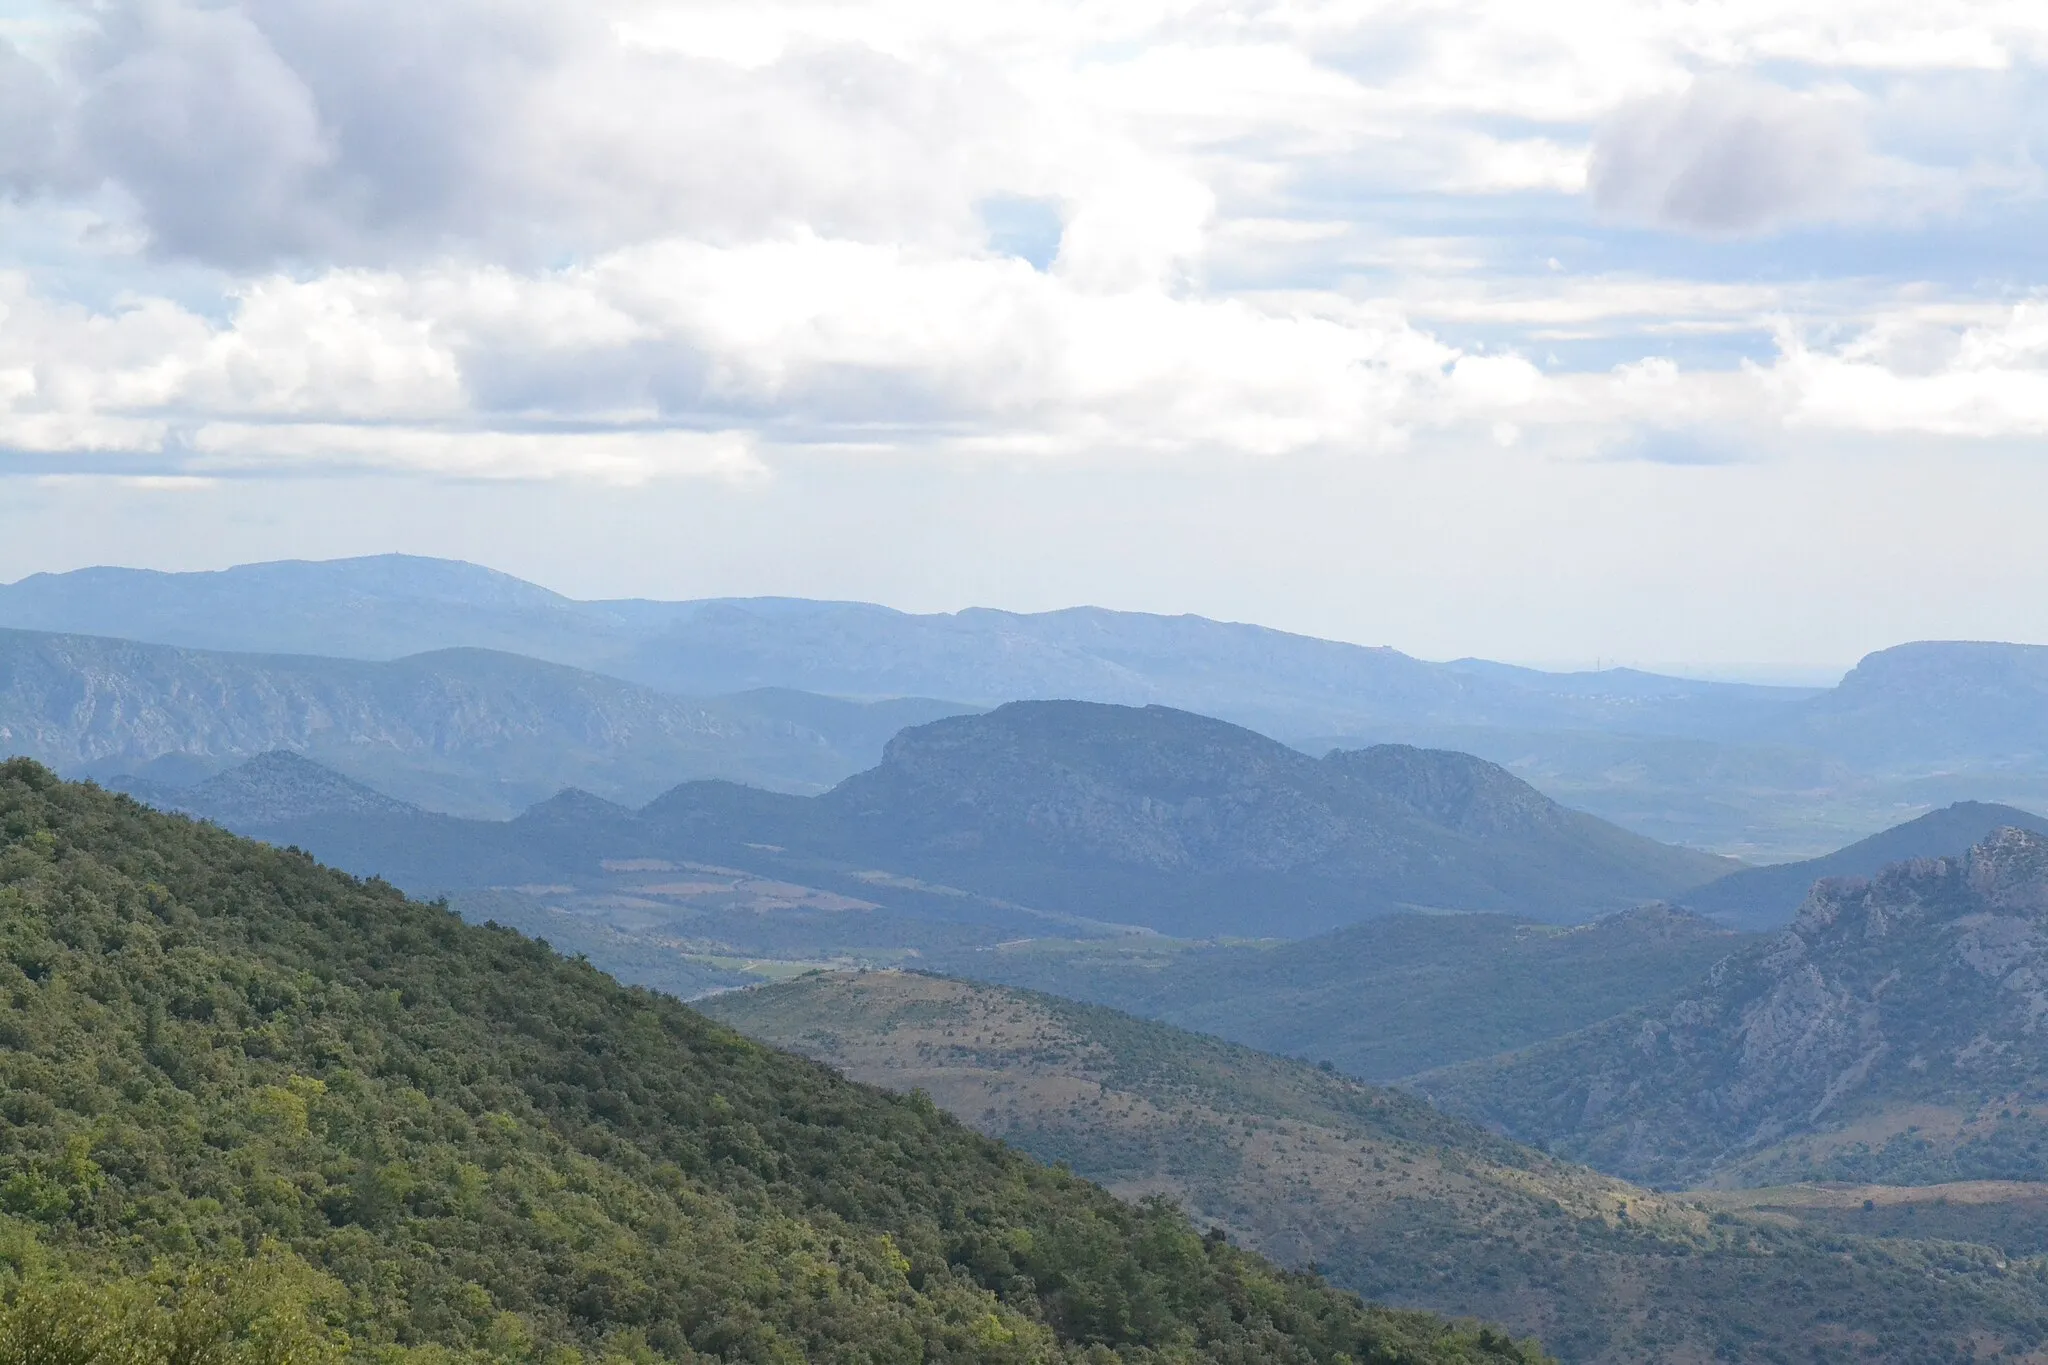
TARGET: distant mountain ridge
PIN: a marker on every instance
(389, 606)
(1184, 820)
(465, 730)
(1961, 699)
(1765, 772)
(275, 788)
(1893, 1033)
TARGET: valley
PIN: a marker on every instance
(1376, 1010)
(872, 682)
(219, 1059)
(1386, 998)
(1386, 1196)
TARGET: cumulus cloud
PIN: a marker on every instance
(193, 112)
(252, 133)
(1909, 375)
(626, 239)
(1727, 155)
(803, 339)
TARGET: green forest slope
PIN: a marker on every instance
(210, 1047)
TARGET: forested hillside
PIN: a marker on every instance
(209, 1046)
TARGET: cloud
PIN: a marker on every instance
(1676, 446)
(804, 339)
(30, 111)
(380, 234)
(611, 457)
(194, 113)
(1908, 375)
(1727, 155)
(254, 133)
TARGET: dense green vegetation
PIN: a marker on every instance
(1386, 998)
(1401, 1202)
(267, 1310)
(213, 1049)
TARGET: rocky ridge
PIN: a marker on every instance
(1894, 1032)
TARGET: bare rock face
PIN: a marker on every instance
(1923, 989)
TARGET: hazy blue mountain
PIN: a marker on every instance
(1278, 682)
(1763, 802)
(1891, 1034)
(380, 607)
(1078, 811)
(465, 730)
(1195, 826)
(390, 606)
(1763, 772)
(1934, 703)
(1768, 897)
(1386, 998)
(270, 789)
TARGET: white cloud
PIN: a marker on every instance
(1984, 381)
(1727, 155)
(620, 457)
(515, 238)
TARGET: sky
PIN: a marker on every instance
(1705, 333)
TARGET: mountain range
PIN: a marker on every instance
(1136, 816)
(1764, 772)
(387, 607)
(461, 730)
(1892, 1034)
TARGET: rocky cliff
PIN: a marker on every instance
(1895, 1031)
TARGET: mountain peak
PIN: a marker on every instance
(1179, 821)
(280, 787)
(2006, 871)
(576, 804)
